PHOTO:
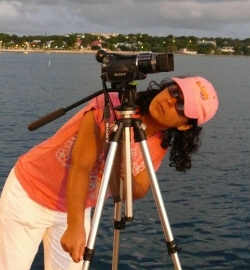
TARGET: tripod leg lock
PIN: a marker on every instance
(119, 225)
(172, 247)
(88, 254)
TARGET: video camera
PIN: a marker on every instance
(125, 68)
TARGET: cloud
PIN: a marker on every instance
(158, 17)
(8, 11)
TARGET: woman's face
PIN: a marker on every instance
(163, 110)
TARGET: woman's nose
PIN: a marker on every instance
(171, 101)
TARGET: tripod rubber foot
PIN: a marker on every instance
(129, 218)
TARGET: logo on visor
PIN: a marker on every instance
(203, 91)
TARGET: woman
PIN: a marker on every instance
(50, 191)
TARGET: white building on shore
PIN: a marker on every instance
(185, 51)
(228, 50)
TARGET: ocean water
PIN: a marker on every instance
(208, 207)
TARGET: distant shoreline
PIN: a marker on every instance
(45, 51)
(27, 51)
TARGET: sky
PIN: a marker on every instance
(199, 18)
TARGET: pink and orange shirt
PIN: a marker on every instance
(43, 171)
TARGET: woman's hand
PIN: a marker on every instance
(73, 241)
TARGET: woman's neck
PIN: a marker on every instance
(151, 128)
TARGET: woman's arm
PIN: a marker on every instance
(86, 150)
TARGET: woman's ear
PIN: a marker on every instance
(184, 127)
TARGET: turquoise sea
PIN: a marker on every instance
(208, 207)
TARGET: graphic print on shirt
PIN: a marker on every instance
(63, 154)
(137, 160)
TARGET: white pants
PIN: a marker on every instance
(24, 224)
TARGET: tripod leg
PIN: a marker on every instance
(128, 175)
(172, 248)
(89, 250)
(119, 224)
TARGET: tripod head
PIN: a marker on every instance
(127, 95)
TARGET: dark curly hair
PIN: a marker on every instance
(182, 144)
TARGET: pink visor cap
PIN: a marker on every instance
(200, 98)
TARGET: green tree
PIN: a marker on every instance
(95, 48)
(246, 50)
(147, 47)
(205, 49)
(57, 44)
(238, 50)
(112, 47)
(112, 40)
(71, 40)
(105, 45)
(120, 38)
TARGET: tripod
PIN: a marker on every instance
(121, 130)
